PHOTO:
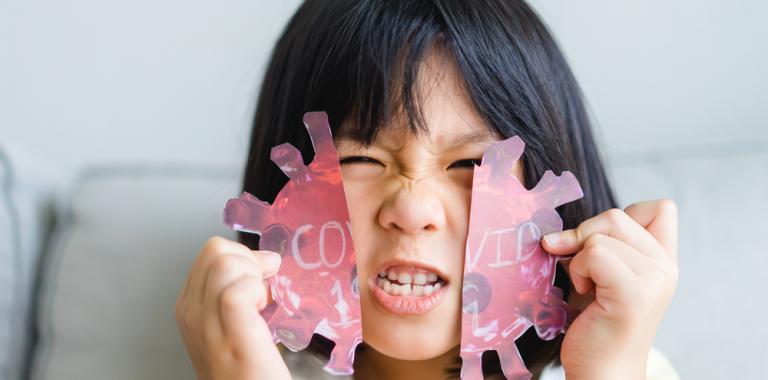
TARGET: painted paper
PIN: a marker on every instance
(508, 277)
(315, 289)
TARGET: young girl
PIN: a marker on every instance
(415, 92)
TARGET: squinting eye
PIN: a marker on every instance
(359, 160)
(466, 164)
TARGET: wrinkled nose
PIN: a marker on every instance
(413, 210)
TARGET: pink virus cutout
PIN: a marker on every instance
(508, 277)
(315, 289)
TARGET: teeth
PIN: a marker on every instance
(405, 290)
(419, 278)
(408, 289)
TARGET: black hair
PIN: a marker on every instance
(358, 60)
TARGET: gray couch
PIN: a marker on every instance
(89, 271)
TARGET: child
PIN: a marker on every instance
(415, 92)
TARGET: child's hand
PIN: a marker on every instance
(217, 313)
(626, 261)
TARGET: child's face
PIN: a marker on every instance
(409, 201)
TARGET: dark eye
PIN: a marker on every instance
(466, 164)
(358, 159)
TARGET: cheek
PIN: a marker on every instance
(361, 205)
(456, 203)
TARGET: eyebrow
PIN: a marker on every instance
(469, 138)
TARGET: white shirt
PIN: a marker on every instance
(305, 366)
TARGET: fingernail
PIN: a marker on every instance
(273, 259)
(553, 238)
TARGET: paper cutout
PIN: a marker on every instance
(315, 290)
(508, 278)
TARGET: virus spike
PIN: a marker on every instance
(247, 213)
(289, 160)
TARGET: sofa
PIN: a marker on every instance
(90, 266)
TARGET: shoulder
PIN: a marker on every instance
(659, 368)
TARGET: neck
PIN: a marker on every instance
(371, 364)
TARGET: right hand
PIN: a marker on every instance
(217, 312)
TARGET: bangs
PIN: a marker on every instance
(373, 65)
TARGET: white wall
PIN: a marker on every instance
(84, 81)
(87, 81)
(661, 74)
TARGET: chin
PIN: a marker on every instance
(405, 345)
(411, 337)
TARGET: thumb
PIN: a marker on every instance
(269, 262)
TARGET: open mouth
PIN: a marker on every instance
(408, 289)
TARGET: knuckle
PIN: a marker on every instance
(594, 241)
(615, 215)
(226, 264)
(216, 244)
(233, 299)
(580, 232)
(596, 253)
(667, 206)
(187, 321)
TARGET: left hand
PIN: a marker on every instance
(626, 263)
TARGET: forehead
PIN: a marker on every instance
(445, 115)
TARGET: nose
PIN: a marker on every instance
(412, 210)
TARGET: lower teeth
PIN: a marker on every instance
(408, 289)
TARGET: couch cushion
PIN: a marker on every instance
(112, 275)
(25, 218)
(721, 196)
(10, 311)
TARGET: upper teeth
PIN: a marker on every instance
(408, 283)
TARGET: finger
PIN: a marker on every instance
(212, 248)
(268, 261)
(638, 263)
(243, 325)
(615, 223)
(240, 303)
(604, 263)
(224, 271)
(659, 218)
